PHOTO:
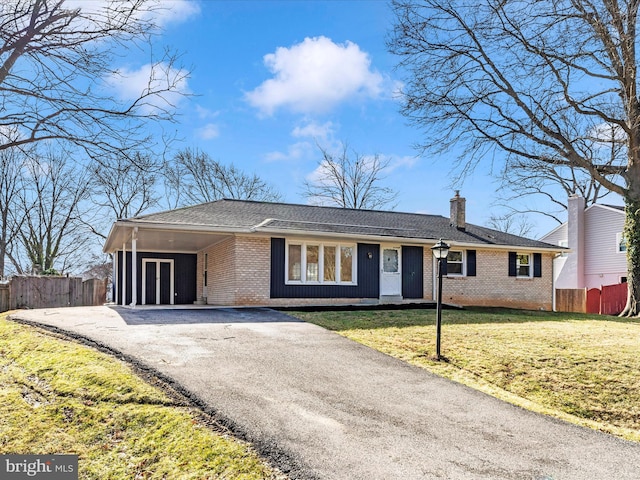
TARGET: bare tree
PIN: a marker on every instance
(350, 181)
(194, 177)
(57, 75)
(514, 223)
(526, 83)
(122, 188)
(11, 183)
(554, 183)
(52, 235)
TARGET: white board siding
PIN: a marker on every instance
(561, 278)
(554, 237)
(604, 265)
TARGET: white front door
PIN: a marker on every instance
(390, 271)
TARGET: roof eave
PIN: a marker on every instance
(111, 246)
(421, 241)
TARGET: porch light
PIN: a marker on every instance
(440, 251)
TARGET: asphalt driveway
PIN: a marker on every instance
(321, 406)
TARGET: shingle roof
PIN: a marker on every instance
(264, 216)
(616, 207)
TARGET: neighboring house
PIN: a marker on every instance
(234, 252)
(598, 250)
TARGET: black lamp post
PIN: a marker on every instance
(440, 251)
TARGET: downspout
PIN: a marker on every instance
(553, 283)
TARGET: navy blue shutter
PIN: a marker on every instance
(443, 267)
(537, 265)
(512, 264)
(471, 263)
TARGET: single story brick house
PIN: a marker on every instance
(235, 252)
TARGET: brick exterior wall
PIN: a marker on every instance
(427, 274)
(239, 274)
(221, 269)
(492, 285)
(253, 279)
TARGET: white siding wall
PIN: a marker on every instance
(554, 237)
(604, 265)
(559, 236)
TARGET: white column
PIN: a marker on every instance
(124, 273)
(114, 277)
(134, 267)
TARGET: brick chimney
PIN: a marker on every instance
(458, 208)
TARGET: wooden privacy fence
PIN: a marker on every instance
(4, 297)
(48, 292)
(571, 300)
(607, 300)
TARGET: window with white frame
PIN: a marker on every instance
(563, 243)
(326, 263)
(621, 243)
(455, 262)
(523, 265)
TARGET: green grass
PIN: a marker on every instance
(580, 368)
(60, 397)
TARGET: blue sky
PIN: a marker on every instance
(272, 79)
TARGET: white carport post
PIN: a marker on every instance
(124, 273)
(115, 278)
(134, 268)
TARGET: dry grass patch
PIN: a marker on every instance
(60, 397)
(575, 367)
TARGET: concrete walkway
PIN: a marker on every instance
(320, 406)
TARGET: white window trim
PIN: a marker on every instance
(158, 279)
(618, 240)
(322, 245)
(530, 264)
(464, 265)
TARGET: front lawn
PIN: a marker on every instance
(57, 396)
(584, 369)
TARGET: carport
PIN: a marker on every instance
(164, 259)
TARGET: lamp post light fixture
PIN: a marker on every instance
(440, 251)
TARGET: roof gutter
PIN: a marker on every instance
(413, 240)
(128, 226)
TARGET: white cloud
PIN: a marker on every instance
(396, 162)
(295, 151)
(132, 84)
(607, 132)
(313, 130)
(176, 11)
(322, 175)
(206, 113)
(159, 12)
(314, 76)
(209, 131)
